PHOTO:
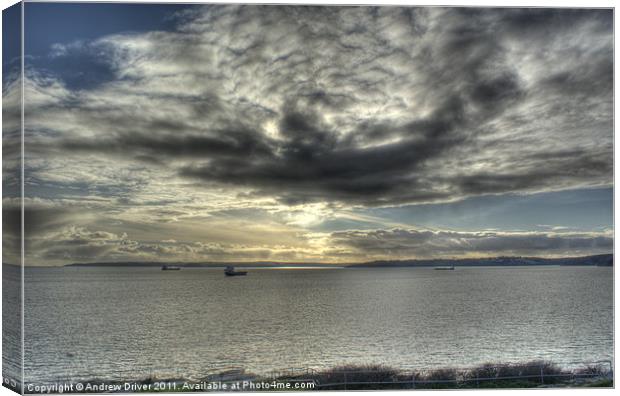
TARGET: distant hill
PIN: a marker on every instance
(202, 265)
(605, 260)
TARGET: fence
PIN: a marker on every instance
(507, 375)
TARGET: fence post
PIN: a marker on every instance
(345, 380)
(413, 381)
(542, 375)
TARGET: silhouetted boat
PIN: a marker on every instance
(170, 268)
(230, 271)
(445, 268)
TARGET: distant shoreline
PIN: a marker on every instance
(595, 260)
(600, 260)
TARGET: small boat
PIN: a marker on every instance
(169, 268)
(230, 271)
(451, 267)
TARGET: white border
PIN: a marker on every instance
(472, 3)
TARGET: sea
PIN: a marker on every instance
(125, 324)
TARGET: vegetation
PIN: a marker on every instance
(523, 375)
(533, 374)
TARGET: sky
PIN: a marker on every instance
(311, 134)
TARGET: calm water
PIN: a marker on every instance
(111, 323)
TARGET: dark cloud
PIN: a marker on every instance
(237, 143)
(37, 219)
(559, 168)
(535, 22)
(311, 164)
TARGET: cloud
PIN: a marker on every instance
(81, 244)
(358, 105)
(406, 243)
